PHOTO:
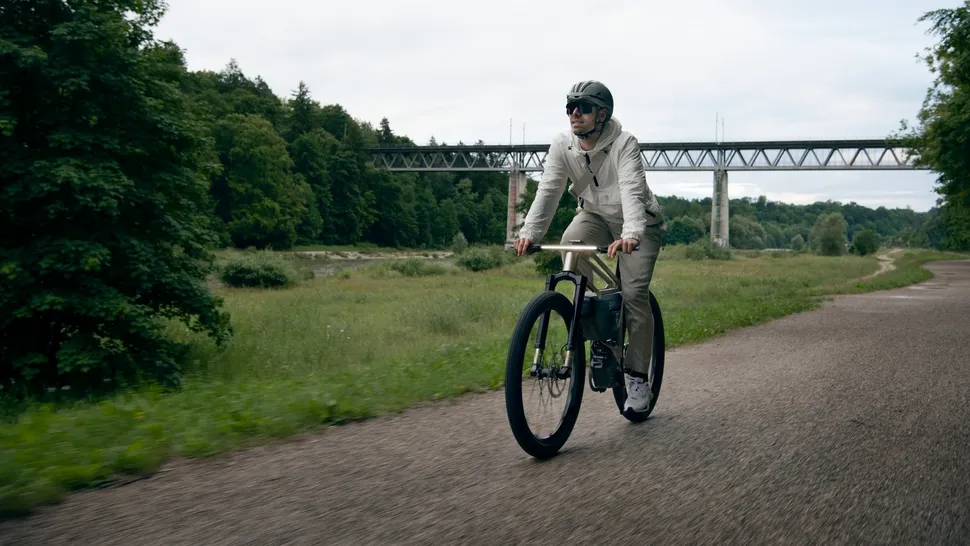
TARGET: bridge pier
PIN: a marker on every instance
(719, 209)
(517, 187)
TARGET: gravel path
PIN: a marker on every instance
(845, 425)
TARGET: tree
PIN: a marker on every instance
(309, 221)
(684, 231)
(942, 138)
(828, 236)
(261, 201)
(746, 233)
(103, 195)
(797, 243)
(774, 237)
(865, 242)
(309, 152)
(304, 113)
(348, 199)
(385, 135)
(393, 226)
(446, 222)
(245, 96)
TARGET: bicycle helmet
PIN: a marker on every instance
(594, 92)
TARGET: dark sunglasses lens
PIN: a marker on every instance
(584, 107)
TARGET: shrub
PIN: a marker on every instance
(417, 268)
(459, 244)
(260, 269)
(703, 249)
(480, 259)
(865, 242)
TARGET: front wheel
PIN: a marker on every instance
(656, 368)
(540, 373)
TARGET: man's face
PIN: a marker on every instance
(582, 115)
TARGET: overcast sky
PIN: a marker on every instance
(773, 69)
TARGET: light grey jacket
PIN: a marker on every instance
(618, 191)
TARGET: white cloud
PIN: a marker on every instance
(774, 69)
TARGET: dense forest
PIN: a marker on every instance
(291, 171)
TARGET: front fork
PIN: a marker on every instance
(575, 340)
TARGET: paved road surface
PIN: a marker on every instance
(850, 424)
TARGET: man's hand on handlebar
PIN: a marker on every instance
(521, 246)
(626, 245)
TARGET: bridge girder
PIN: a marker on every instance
(799, 155)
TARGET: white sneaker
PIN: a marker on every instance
(637, 393)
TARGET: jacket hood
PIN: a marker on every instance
(611, 130)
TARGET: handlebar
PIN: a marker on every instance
(581, 249)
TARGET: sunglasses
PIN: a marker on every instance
(584, 107)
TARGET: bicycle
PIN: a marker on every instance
(598, 319)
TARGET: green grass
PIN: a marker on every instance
(371, 341)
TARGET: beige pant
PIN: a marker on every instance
(636, 271)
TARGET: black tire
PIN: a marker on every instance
(519, 348)
(656, 372)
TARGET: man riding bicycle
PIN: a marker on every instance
(616, 207)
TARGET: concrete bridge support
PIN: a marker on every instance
(719, 209)
(517, 187)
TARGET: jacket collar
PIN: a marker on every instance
(610, 132)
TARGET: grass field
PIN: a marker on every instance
(369, 341)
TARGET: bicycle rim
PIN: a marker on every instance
(542, 433)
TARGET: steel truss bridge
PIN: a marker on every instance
(719, 157)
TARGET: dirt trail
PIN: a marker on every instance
(885, 263)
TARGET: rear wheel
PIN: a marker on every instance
(539, 376)
(656, 368)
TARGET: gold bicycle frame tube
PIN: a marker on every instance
(576, 254)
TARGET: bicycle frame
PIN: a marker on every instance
(575, 255)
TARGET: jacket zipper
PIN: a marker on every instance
(595, 181)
